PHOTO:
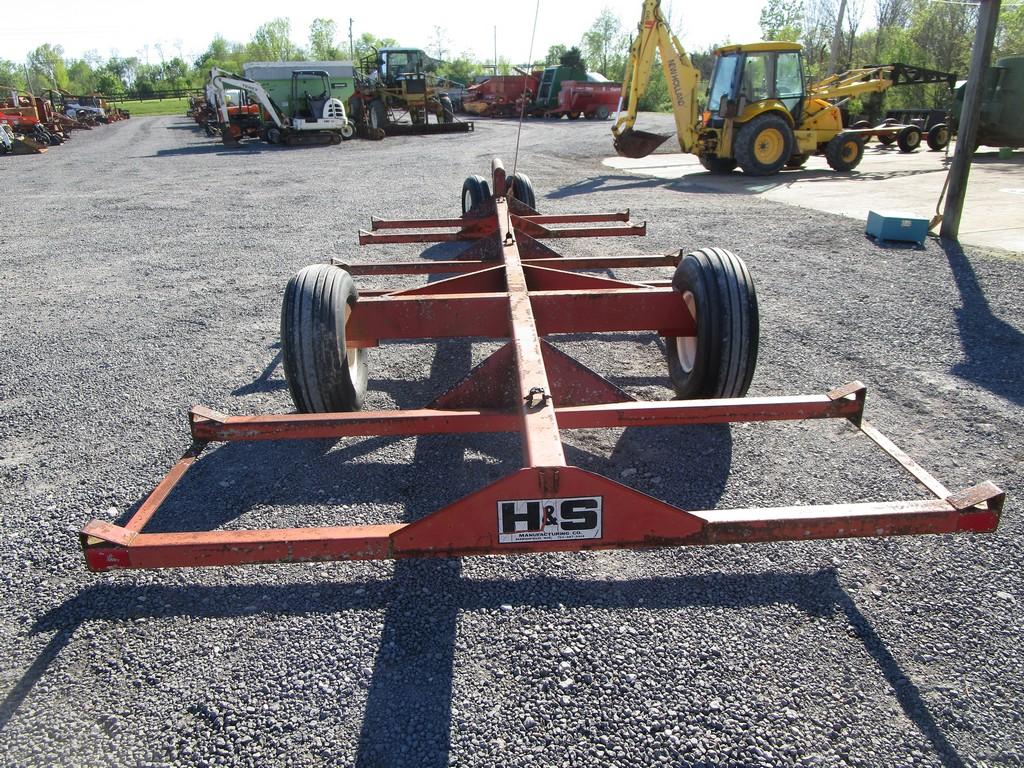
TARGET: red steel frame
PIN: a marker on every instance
(509, 285)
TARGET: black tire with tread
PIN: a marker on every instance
(844, 152)
(727, 326)
(796, 161)
(746, 142)
(378, 114)
(447, 110)
(521, 187)
(938, 137)
(716, 164)
(322, 376)
(475, 189)
(909, 138)
(355, 110)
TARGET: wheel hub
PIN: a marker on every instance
(769, 146)
(686, 346)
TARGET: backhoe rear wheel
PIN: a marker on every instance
(844, 151)
(719, 360)
(764, 145)
(717, 164)
(324, 376)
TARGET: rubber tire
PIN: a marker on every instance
(909, 139)
(447, 110)
(796, 161)
(348, 130)
(886, 139)
(320, 375)
(718, 164)
(378, 114)
(601, 113)
(861, 124)
(521, 187)
(746, 142)
(355, 109)
(727, 326)
(475, 189)
(938, 137)
(836, 152)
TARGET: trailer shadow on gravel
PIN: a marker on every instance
(993, 350)
(411, 686)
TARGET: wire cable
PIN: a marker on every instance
(522, 108)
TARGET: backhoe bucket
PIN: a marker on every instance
(635, 144)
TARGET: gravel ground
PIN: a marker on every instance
(141, 270)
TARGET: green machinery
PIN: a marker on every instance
(1002, 104)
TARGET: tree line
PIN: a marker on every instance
(936, 34)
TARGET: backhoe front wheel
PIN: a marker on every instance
(844, 151)
(719, 359)
(764, 145)
(323, 374)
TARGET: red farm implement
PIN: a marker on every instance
(501, 95)
(508, 284)
(586, 99)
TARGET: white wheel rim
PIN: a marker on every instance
(686, 346)
(467, 201)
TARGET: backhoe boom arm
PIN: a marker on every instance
(683, 81)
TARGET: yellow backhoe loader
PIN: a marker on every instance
(760, 114)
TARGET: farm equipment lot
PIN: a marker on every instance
(132, 293)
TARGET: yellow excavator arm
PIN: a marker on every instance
(683, 81)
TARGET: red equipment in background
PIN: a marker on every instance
(502, 95)
(586, 99)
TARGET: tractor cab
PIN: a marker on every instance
(397, 64)
(750, 79)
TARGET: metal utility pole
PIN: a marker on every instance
(351, 45)
(836, 38)
(967, 132)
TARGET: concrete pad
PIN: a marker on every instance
(887, 181)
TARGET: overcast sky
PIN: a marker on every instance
(186, 27)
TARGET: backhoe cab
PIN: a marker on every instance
(755, 100)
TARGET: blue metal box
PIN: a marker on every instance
(895, 227)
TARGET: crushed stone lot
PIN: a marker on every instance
(141, 271)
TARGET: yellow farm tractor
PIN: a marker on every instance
(761, 114)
